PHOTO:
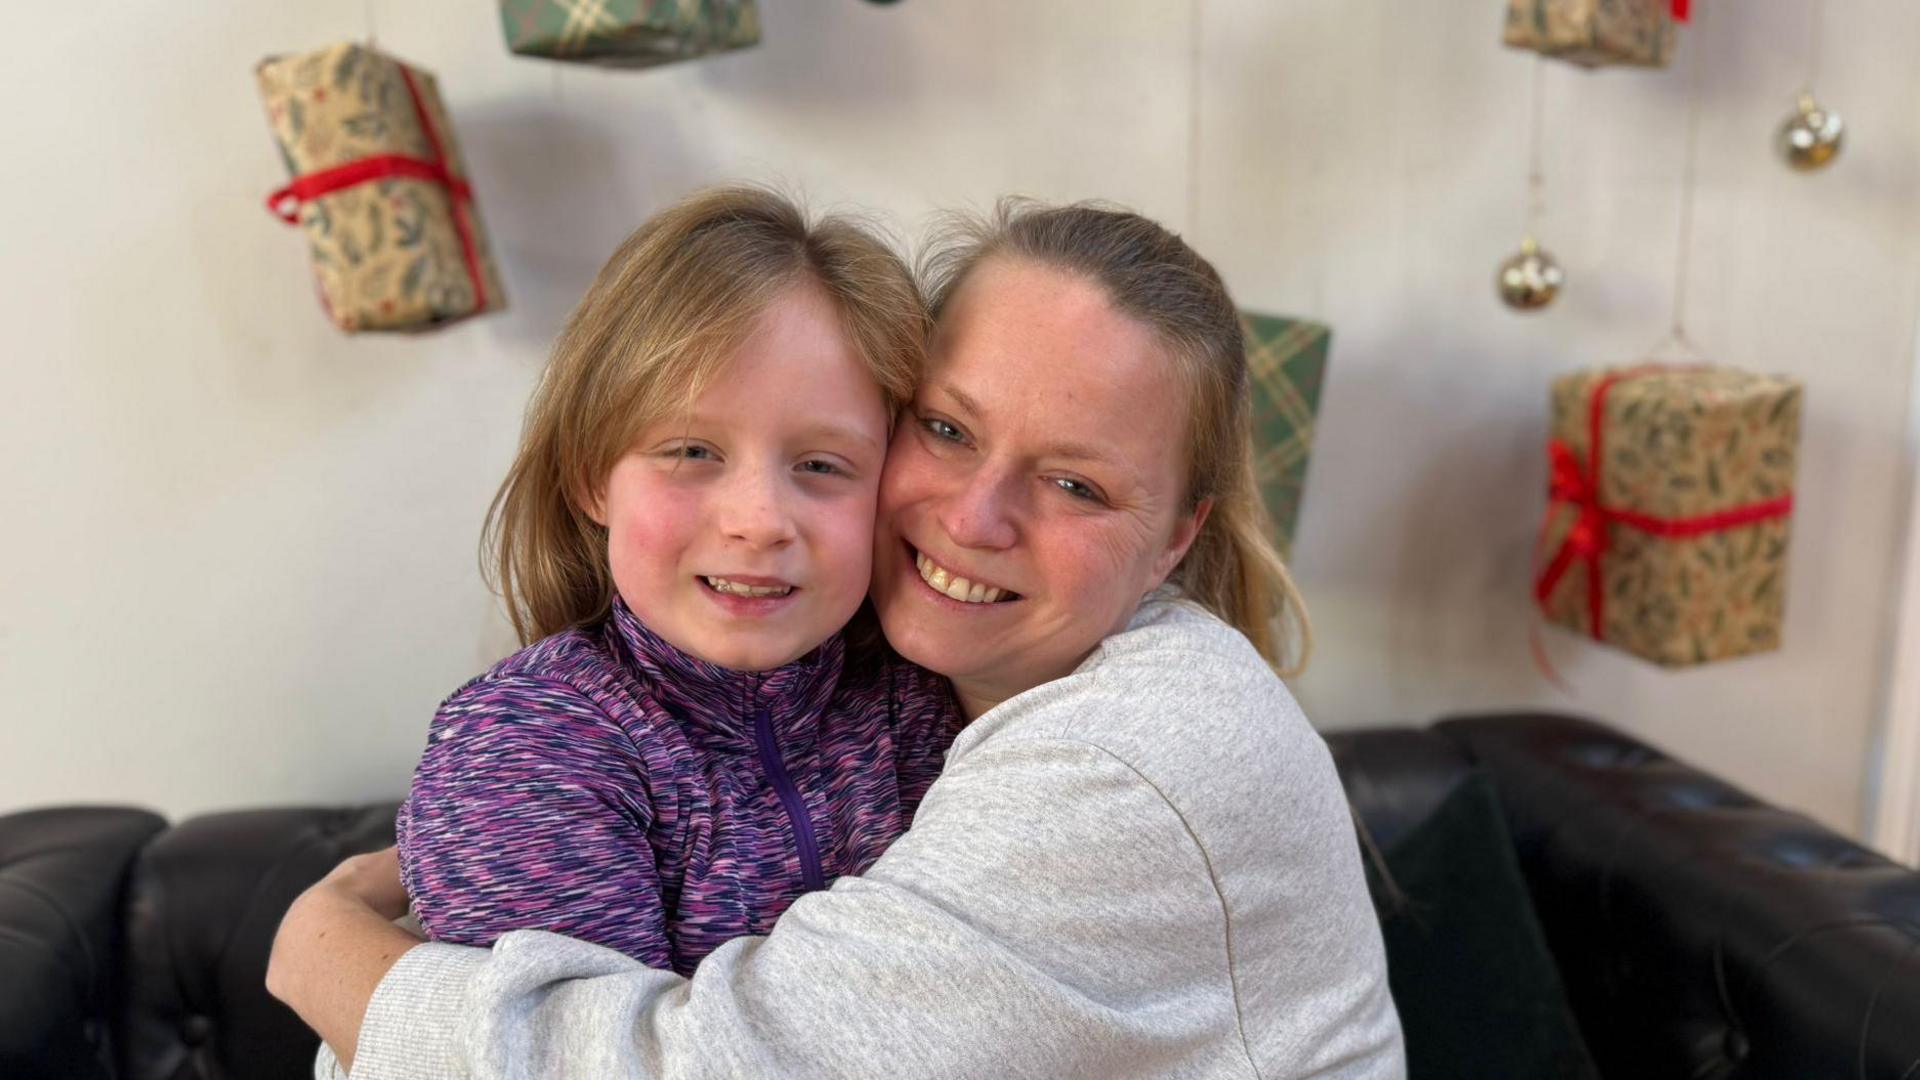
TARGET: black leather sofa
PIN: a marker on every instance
(1699, 932)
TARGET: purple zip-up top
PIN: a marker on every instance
(602, 784)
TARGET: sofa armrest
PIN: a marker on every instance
(1700, 931)
(202, 909)
(61, 876)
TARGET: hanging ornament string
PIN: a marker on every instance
(1677, 341)
(371, 37)
(1816, 16)
(1812, 135)
(1536, 172)
(1529, 279)
(1194, 44)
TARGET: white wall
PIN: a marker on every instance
(240, 548)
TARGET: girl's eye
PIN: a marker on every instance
(821, 468)
(690, 452)
(1076, 489)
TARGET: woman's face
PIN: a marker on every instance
(1035, 491)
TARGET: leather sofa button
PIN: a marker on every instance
(1735, 1045)
(196, 1030)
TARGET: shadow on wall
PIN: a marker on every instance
(1446, 546)
(556, 202)
(785, 72)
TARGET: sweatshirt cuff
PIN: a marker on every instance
(414, 1023)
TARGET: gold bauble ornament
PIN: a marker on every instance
(1811, 137)
(1530, 279)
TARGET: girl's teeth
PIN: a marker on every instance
(953, 585)
(735, 588)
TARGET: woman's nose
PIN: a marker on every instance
(982, 513)
(753, 509)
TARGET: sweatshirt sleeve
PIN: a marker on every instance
(1049, 914)
(529, 811)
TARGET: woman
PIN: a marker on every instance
(1138, 860)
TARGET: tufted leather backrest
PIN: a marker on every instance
(205, 900)
(61, 876)
(1700, 932)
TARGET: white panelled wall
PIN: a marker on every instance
(240, 548)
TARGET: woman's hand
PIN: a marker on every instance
(336, 943)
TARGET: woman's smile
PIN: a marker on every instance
(957, 586)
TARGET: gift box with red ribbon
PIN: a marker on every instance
(379, 187)
(1670, 499)
(1596, 33)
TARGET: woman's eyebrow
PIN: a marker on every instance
(1066, 449)
(960, 397)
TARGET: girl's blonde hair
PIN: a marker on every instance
(662, 319)
(1233, 568)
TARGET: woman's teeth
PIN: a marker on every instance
(955, 586)
(735, 588)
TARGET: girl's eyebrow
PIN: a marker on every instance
(829, 430)
(819, 429)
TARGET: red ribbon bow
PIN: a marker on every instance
(285, 203)
(1681, 9)
(1577, 484)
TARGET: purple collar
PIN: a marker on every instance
(721, 706)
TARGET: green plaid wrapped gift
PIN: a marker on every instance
(1287, 360)
(628, 33)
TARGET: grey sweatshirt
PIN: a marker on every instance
(1146, 868)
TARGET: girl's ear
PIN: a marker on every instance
(594, 502)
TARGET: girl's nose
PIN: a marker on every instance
(753, 509)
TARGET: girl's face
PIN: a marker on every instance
(742, 531)
(1035, 490)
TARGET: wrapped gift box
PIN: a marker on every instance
(1594, 33)
(1672, 490)
(379, 187)
(628, 33)
(1287, 359)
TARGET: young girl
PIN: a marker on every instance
(687, 746)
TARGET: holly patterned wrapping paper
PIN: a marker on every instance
(1593, 33)
(380, 189)
(1686, 517)
(1287, 362)
(628, 33)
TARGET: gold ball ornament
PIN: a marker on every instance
(1530, 279)
(1811, 137)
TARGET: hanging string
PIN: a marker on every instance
(371, 37)
(1194, 44)
(1536, 173)
(1682, 260)
(1816, 19)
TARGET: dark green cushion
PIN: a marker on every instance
(1477, 990)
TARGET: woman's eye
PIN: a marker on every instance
(941, 429)
(1076, 489)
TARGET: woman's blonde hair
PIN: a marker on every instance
(1233, 568)
(661, 320)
